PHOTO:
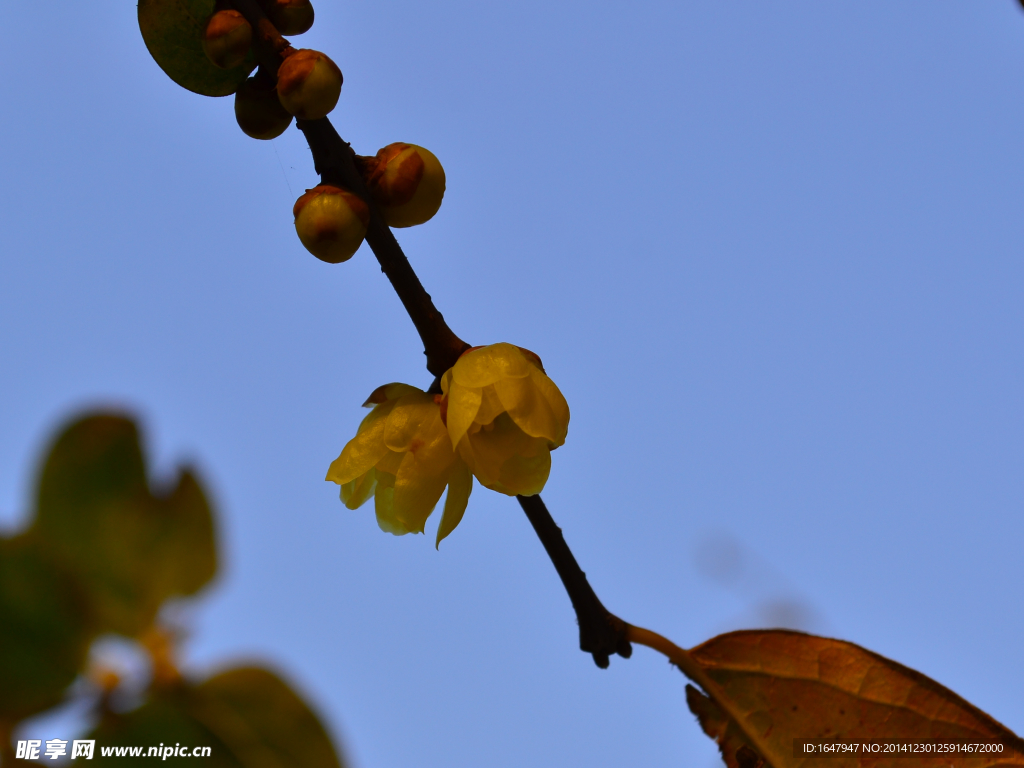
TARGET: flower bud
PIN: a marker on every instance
(406, 181)
(308, 84)
(259, 112)
(227, 38)
(291, 17)
(331, 222)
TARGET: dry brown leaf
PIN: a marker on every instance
(788, 685)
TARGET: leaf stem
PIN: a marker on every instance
(690, 667)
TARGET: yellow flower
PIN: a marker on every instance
(504, 416)
(402, 456)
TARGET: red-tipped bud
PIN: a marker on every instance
(406, 181)
(331, 222)
(227, 38)
(308, 84)
(291, 17)
(259, 112)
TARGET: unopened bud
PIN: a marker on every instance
(291, 17)
(406, 181)
(331, 222)
(259, 112)
(227, 38)
(308, 84)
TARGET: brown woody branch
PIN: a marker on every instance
(335, 162)
(602, 634)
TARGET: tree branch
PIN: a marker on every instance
(602, 633)
(335, 162)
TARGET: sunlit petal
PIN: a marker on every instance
(362, 451)
(460, 485)
(486, 365)
(463, 404)
(354, 494)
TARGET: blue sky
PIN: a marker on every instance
(771, 253)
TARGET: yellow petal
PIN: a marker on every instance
(362, 451)
(446, 381)
(529, 408)
(490, 404)
(390, 463)
(526, 475)
(480, 367)
(412, 416)
(417, 492)
(487, 450)
(556, 401)
(383, 499)
(463, 404)
(354, 494)
(460, 485)
(386, 392)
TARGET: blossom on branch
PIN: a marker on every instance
(504, 417)
(403, 457)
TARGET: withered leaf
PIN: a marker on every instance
(789, 685)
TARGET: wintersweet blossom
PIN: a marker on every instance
(504, 417)
(403, 457)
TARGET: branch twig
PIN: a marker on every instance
(602, 633)
(335, 162)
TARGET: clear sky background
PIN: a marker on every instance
(770, 252)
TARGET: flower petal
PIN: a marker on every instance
(383, 499)
(486, 365)
(386, 392)
(487, 450)
(390, 463)
(556, 401)
(362, 451)
(412, 416)
(463, 404)
(418, 487)
(526, 475)
(355, 493)
(490, 404)
(528, 406)
(460, 485)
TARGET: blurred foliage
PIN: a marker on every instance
(102, 554)
(173, 31)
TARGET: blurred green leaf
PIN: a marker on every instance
(129, 549)
(163, 720)
(44, 634)
(248, 716)
(263, 721)
(173, 32)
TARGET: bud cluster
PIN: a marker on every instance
(307, 84)
(405, 182)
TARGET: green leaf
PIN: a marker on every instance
(129, 549)
(162, 721)
(263, 721)
(173, 32)
(44, 634)
(248, 716)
